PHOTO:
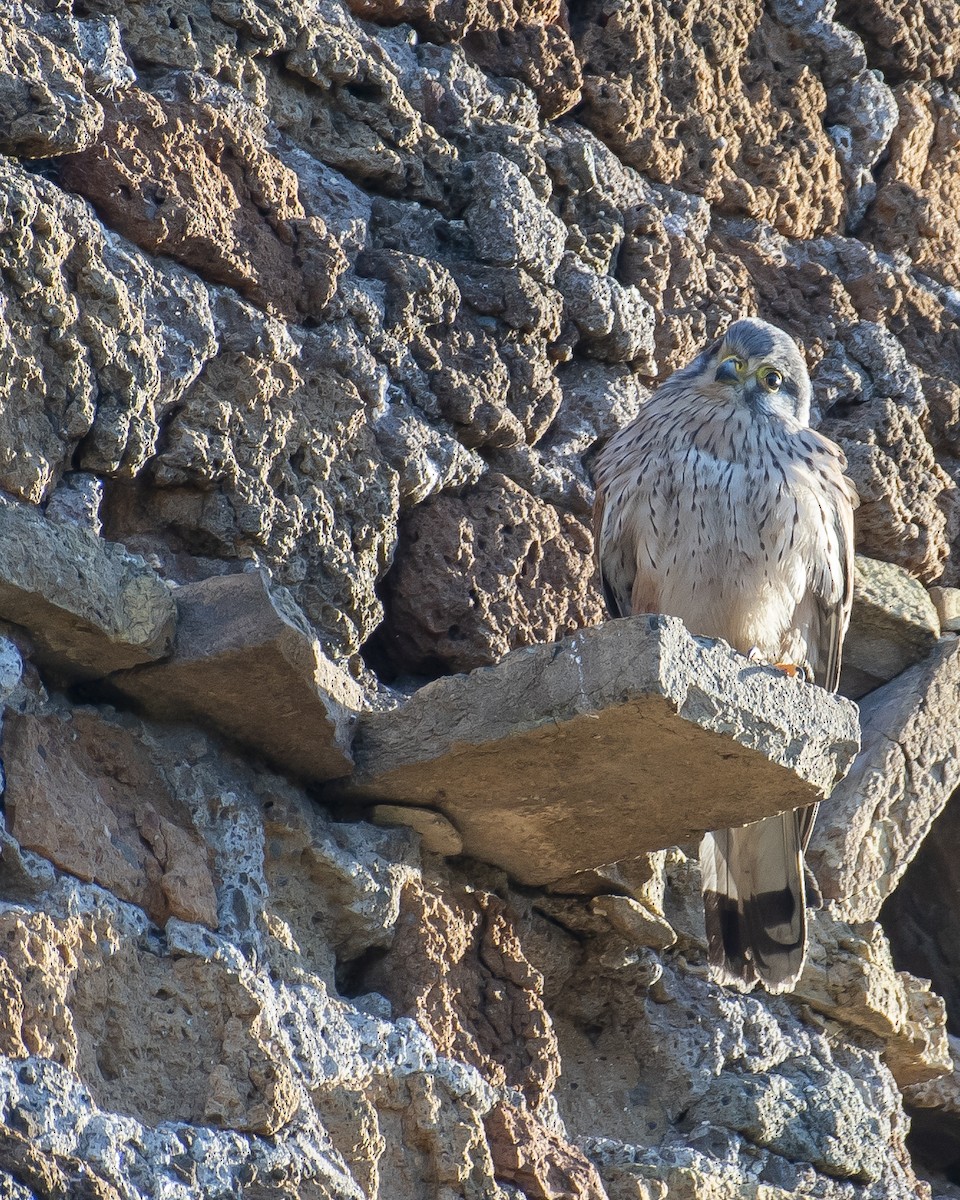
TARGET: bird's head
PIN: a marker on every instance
(760, 366)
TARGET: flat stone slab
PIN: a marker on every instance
(245, 664)
(622, 739)
(89, 605)
(907, 772)
(893, 624)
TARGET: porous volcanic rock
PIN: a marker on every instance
(184, 176)
(481, 574)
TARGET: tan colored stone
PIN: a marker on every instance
(480, 574)
(918, 197)
(159, 1038)
(83, 792)
(893, 625)
(39, 956)
(944, 1091)
(620, 740)
(456, 965)
(179, 1039)
(437, 834)
(182, 177)
(916, 38)
(537, 1159)
(906, 772)
(849, 975)
(432, 1139)
(702, 97)
(245, 663)
(45, 110)
(635, 921)
(89, 606)
(946, 600)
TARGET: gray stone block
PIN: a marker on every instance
(907, 771)
(622, 739)
(89, 605)
(245, 664)
(893, 624)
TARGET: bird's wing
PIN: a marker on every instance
(618, 600)
(830, 560)
(832, 586)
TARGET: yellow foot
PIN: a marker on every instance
(790, 669)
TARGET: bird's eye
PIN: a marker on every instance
(770, 379)
(737, 363)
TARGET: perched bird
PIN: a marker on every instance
(721, 506)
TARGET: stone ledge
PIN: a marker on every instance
(89, 605)
(906, 773)
(246, 665)
(894, 624)
(622, 739)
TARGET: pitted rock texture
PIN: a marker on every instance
(181, 178)
(481, 574)
(691, 97)
(342, 294)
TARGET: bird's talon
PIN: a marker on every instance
(790, 669)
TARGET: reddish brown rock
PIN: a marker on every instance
(919, 39)
(525, 39)
(543, 57)
(718, 101)
(537, 1160)
(157, 1037)
(183, 178)
(917, 208)
(201, 1049)
(481, 574)
(83, 792)
(457, 967)
(48, 1174)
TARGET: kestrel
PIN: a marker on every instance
(721, 506)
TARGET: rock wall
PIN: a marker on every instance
(310, 316)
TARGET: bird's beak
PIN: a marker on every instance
(727, 372)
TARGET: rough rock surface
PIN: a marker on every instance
(237, 639)
(506, 753)
(89, 606)
(907, 770)
(894, 623)
(484, 573)
(343, 293)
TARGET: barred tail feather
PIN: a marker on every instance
(754, 903)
